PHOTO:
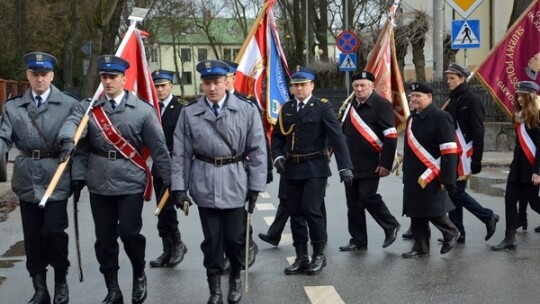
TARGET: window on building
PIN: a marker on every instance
(235, 53)
(186, 78)
(202, 54)
(185, 54)
(227, 54)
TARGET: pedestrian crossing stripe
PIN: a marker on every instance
(323, 295)
(466, 35)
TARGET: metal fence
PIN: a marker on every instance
(440, 95)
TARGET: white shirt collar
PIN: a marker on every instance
(44, 96)
(220, 103)
(118, 99)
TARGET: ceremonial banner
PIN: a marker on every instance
(383, 64)
(515, 58)
(262, 68)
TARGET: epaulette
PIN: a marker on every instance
(324, 100)
(191, 103)
(71, 95)
(244, 99)
(13, 97)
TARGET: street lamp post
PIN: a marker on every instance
(306, 49)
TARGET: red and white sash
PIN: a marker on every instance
(526, 143)
(123, 146)
(465, 151)
(367, 133)
(433, 165)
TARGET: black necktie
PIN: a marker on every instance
(215, 107)
(161, 105)
(300, 106)
(113, 103)
(39, 101)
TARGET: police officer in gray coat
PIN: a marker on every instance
(220, 158)
(31, 122)
(115, 180)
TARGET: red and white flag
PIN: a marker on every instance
(383, 65)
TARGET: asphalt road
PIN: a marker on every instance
(471, 273)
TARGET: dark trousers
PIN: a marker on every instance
(118, 216)
(305, 199)
(461, 200)
(361, 196)
(224, 230)
(168, 218)
(420, 230)
(280, 220)
(45, 239)
(519, 192)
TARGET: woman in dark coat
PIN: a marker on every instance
(524, 176)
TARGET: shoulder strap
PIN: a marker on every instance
(34, 122)
(224, 138)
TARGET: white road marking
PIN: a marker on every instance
(323, 295)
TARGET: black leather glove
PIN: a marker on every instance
(450, 188)
(66, 149)
(181, 200)
(76, 187)
(280, 165)
(346, 177)
(269, 177)
(251, 198)
(476, 166)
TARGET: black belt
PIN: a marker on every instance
(297, 158)
(111, 154)
(220, 161)
(39, 154)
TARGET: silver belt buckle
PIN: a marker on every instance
(111, 154)
(36, 154)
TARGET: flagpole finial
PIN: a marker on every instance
(138, 14)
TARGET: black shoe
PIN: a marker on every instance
(391, 237)
(177, 254)
(214, 283)
(352, 247)
(460, 240)
(235, 290)
(449, 244)
(268, 239)
(61, 292)
(407, 235)
(491, 226)
(414, 254)
(163, 259)
(505, 245)
(537, 229)
(317, 264)
(114, 295)
(139, 289)
(300, 265)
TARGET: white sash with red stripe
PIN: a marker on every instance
(433, 165)
(123, 146)
(367, 133)
(526, 143)
(465, 151)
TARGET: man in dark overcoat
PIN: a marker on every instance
(429, 171)
(369, 126)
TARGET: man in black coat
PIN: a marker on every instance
(468, 114)
(299, 149)
(173, 247)
(429, 171)
(369, 126)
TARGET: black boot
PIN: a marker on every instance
(178, 249)
(214, 283)
(318, 260)
(41, 295)
(509, 242)
(302, 261)
(114, 295)
(139, 292)
(235, 287)
(164, 258)
(61, 291)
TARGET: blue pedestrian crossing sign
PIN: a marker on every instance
(347, 62)
(465, 34)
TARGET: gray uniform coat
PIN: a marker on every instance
(32, 176)
(226, 186)
(137, 122)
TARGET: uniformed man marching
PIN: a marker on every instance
(220, 158)
(31, 122)
(170, 107)
(117, 176)
(429, 172)
(299, 149)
